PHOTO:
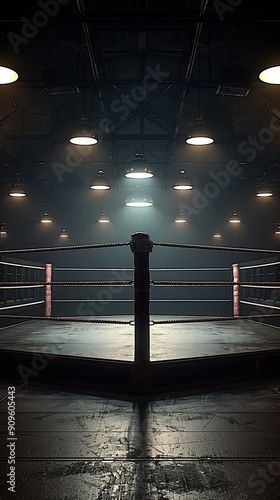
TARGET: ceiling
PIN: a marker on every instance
(144, 71)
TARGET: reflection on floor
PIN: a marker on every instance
(114, 341)
(217, 445)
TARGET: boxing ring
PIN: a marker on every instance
(139, 350)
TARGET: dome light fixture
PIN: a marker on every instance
(8, 73)
(180, 218)
(270, 75)
(264, 191)
(3, 230)
(100, 182)
(17, 190)
(234, 219)
(63, 234)
(217, 234)
(83, 135)
(182, 182)
(46, 219)
(139, 168)
(199, 134)
(277, 231)
(104, 218)
(139, 199)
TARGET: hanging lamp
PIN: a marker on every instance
(139, 199)
(182, 182)
(17, 190)
(100, 182)
(104, 218)
(139, 168)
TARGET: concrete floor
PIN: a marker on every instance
(215, 445)
(117, 341)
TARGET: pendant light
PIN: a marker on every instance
(217, 234)
(3, 230)
(234, 219)
(46, 219)
(180, 218)
(63, 234)
(100, 182)
(264, 191)
(270, 72)
(17, 190)
(139, 168)
(182, 182)
(199, 134)
(104, 218)
(270, 75)
(139, 199)
(8, 72)
(83, 134)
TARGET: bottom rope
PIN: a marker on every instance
(67, 318)
(214, 318)
(132, 322)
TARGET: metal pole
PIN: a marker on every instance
(236, 292)
(141, 246)
(48, 290)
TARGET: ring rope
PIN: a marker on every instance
(215, 247)
(152, 269)
(64, 318)
(132, 300)
(259, 304)
(92, 300)
(91, 269)
(260, 265)
(20, 286)
(215, 283)
(155, 322)
(259, 284)
(69, 247)
(215, 318)
(21, 265)
(22, 305)
(104, 245)
(66, 283)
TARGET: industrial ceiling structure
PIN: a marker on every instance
(141, 72)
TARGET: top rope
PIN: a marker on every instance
(214, 247)
(69, 247)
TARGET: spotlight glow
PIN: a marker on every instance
(270, 75)
(7, 75)
(199, 141)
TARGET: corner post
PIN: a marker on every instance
(236, 291)
(141, 246)
(48, 290)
